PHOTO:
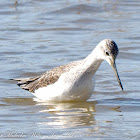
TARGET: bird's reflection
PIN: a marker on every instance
(63, 114)
(70, 114)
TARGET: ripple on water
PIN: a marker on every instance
(38, 35)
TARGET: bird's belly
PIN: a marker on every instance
(62, 91)
(80, 91)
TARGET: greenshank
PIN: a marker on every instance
(74, 81)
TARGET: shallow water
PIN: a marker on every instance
(36, 36)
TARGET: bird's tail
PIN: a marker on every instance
(25, 82)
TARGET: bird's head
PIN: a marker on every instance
(108, 51)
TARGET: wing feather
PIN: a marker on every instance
(49, 77)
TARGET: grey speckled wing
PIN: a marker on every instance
(49, 77)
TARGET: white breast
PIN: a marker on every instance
(71, 86)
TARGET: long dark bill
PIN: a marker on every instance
(117, 75)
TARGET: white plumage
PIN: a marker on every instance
(74, 81)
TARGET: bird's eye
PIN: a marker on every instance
(107, 53)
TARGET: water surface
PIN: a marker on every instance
(36, 36)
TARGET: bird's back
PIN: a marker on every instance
(48, 78)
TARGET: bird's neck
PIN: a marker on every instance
(93, 61)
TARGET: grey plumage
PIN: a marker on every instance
(49, 77)
(113, 48)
